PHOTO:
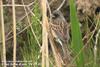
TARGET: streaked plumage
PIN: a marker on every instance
(60, 32)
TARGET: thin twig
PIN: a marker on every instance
(48, 5)
(60, 5)
(34, 15)
(18, 5)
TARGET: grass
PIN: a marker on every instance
(3, 53)
(83, 39)
(77, 43)
(31, 51)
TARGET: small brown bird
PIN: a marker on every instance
(60, 26)
(60, 32)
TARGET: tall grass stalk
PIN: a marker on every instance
(14, 33)
(44, 34)
(3, 35)
(77, 43)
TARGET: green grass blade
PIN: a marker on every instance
(77, 43)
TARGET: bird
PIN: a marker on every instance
(60, 26)
(60, 31)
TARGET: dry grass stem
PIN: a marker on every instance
(3, 35)
(14, 33)
(95, 46)
(44, 34)
(19, 5)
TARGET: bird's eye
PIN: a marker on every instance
(55, 16)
